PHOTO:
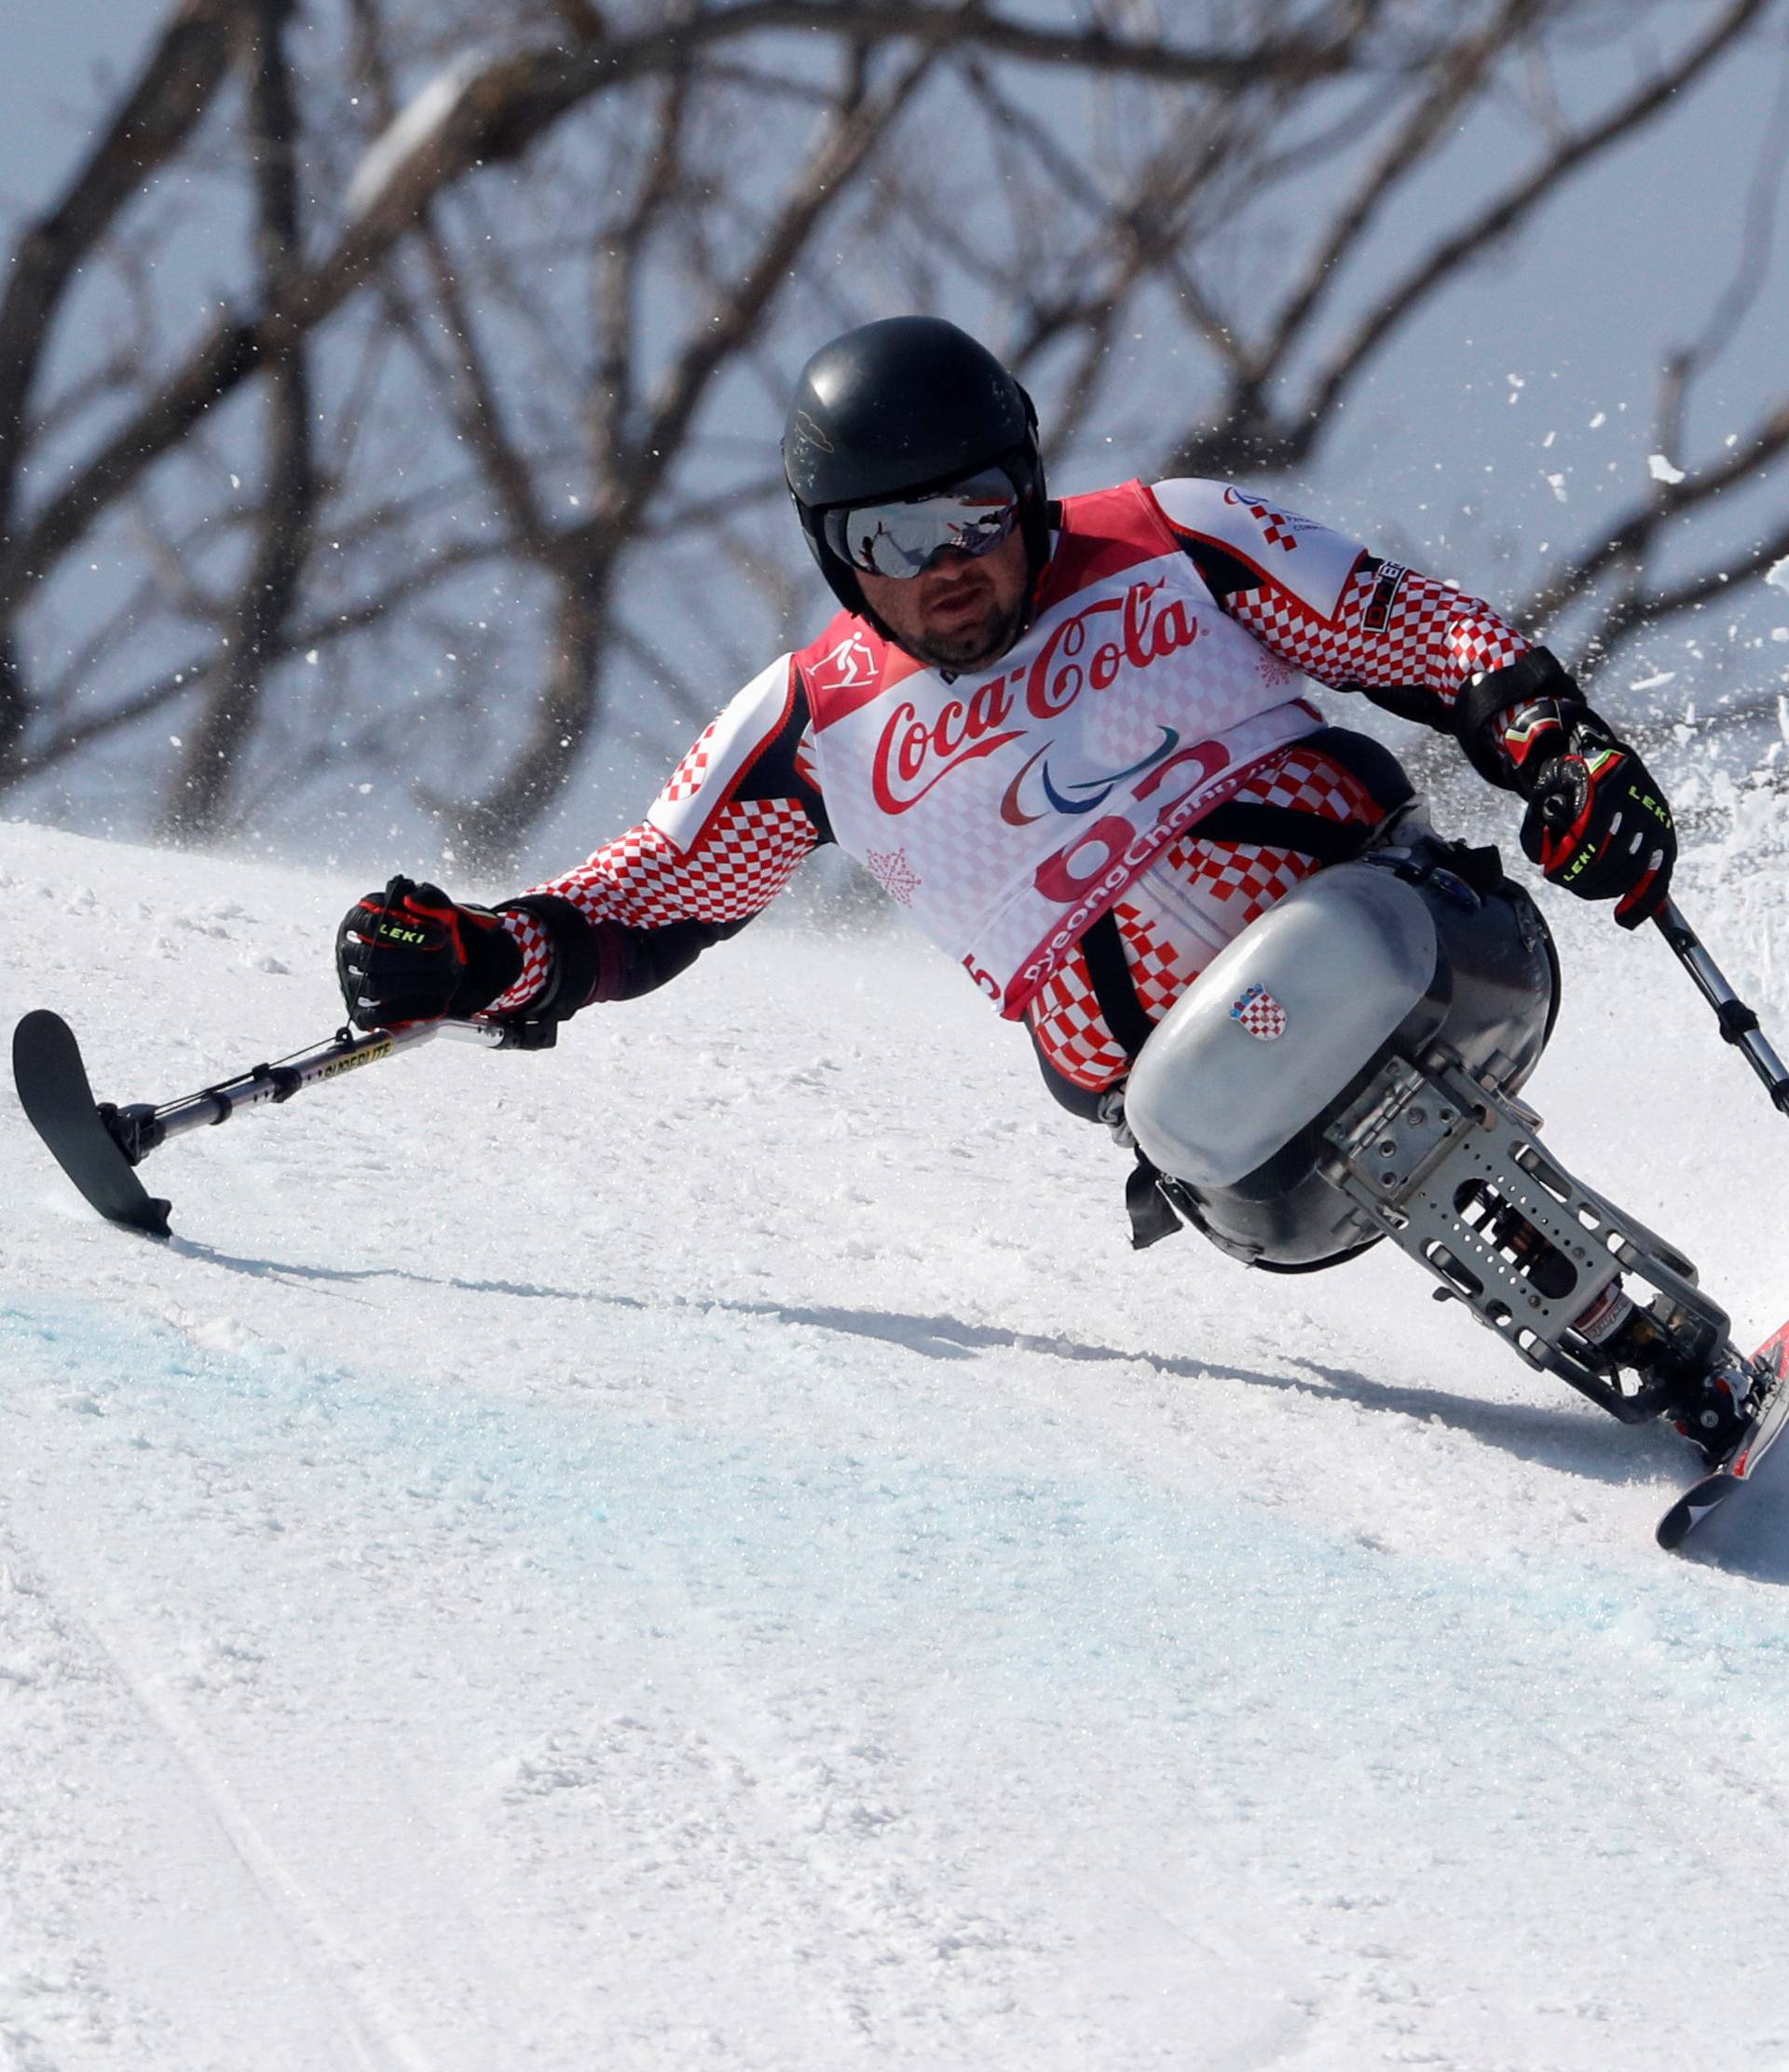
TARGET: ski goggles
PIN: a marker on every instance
(903, 539)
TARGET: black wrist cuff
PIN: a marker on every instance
(1539, 673)
(579, 963)
(493, 965)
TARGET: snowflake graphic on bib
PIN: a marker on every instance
(893, 873)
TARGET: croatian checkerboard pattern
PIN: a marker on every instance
(750, 851)
(1433, 635)
(1422, 632)
(1066, 1017)
(1249, 876)
(1070, 1030)
(1246, 872)
(536, 961)
(1310, 782)
(686, 780)
(1233, 883)
(1275, 527)
(1260, 1014)
(747, 856)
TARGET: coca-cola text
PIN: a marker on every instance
(1090, 649)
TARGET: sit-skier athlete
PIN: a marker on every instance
(1069, 738)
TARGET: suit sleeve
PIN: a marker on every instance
(726, 833)
(1409, 642)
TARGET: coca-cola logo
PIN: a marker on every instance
(914, 755)
(1081, 654)
(1086, 650)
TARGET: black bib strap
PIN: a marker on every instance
(1152, 1217)
(1243, 820)
(1113, 985)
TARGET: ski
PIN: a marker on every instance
(58, 1103)
(1740, 1465)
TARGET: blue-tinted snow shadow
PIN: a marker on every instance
(1083, 1576)
(1556, 1437)
(1749, 1535)
(1560, 1436)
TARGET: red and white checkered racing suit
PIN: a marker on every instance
(1137, 778)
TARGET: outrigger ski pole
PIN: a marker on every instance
(99, 1145)
(1738, 1024)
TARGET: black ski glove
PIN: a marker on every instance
(411, 954)
(1596, 822)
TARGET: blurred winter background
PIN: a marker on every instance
(389, 390)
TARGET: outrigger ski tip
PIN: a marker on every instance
(99, 1145)
(58, 1101)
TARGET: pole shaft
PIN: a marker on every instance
(1738, 1024)
(271, 1084)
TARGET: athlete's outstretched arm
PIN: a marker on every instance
(722, 839)
(1596, 822)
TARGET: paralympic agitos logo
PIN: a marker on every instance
(1087, 650)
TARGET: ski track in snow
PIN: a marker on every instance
(706, 1547)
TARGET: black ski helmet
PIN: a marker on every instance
(902, 408)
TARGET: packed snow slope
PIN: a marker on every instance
(705, 1548)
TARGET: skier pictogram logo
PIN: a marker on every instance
(1260, 1014)
(850, 663)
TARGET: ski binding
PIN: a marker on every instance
(1742, 1463)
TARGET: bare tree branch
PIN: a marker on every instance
(1632, 534)
(1456, 80)
(474, 397)
(174, 683)
(612, 399)
(476, 409)
(1495, 222)
(477, 114)
(588, 556)
(177, 84)
(172, 93)
(1245, 436)
(198, 795)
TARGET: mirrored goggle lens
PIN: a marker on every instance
(903, 539)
